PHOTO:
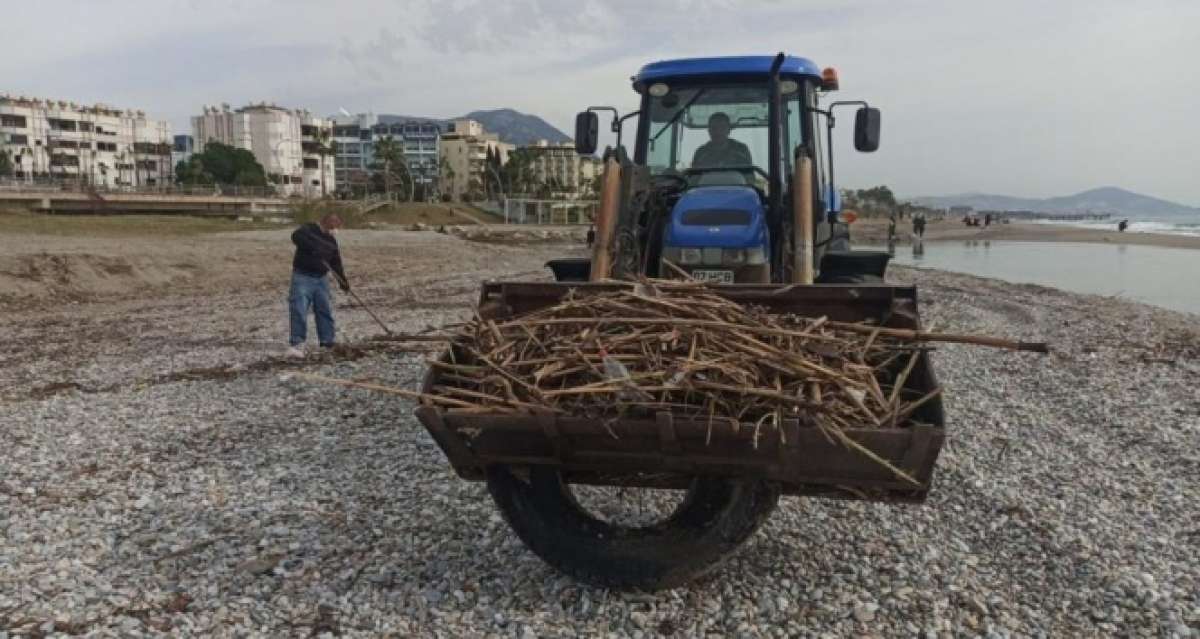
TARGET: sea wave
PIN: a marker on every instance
(1135, 226)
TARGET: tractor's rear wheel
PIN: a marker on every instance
(713, 518)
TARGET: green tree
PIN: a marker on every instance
(221, 164)
(448, 174)
(390, 166)
(519, 173)
(6, 164)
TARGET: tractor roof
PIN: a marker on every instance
(744, 65)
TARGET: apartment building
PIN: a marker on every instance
(463, 158)
(355, 137)
(288, 143)
(562, 169)
(96, 145)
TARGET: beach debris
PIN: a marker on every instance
(681, 347)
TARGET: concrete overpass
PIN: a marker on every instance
(50, 201)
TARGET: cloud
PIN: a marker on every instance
(374, 57)
(1026, 97)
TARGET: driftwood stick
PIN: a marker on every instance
(391, 390)
(924, 336)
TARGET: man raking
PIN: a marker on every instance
(316, 254)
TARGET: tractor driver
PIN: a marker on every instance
(721, 150)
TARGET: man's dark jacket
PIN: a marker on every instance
(316, 252)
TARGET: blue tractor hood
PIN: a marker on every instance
(718, 216)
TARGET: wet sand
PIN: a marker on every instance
(874, 231)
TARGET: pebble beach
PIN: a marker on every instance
(165, 473)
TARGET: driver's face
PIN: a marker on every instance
(718, 130)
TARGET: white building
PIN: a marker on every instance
(98, 145)
(463, 152)
(286, 142)
(563, 170)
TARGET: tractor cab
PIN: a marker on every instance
(708, 137)
(717, 146)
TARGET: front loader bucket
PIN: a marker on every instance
(667, 451)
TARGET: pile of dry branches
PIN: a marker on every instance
(683, 349)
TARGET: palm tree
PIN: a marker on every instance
(390, 161)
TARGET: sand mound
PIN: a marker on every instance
(83, 275)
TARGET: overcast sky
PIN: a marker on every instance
(1031, 98)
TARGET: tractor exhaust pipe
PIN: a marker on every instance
(606, 220)
(802, 221)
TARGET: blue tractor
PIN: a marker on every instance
(731, 180)
(730, 183)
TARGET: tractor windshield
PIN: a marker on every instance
(710, 127)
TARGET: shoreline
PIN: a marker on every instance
(874, 231)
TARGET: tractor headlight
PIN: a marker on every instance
(671, 254)
(756, 255)
(712, 255)
(735, 257)
(690, 256)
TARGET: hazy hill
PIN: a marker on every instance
(518, 128)
(1108, 199)
(512, 126)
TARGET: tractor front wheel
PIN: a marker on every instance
(713, 518)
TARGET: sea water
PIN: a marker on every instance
(1166, 277)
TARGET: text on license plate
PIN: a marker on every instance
(720, 277)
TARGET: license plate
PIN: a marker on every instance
(719, 277)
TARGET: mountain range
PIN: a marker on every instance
(1107, 199)
(510, 125)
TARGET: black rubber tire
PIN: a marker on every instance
(716, 517)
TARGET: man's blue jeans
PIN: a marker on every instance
(310, 291)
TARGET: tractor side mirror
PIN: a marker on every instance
(587, 132)
(866, 129)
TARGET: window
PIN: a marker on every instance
(61, 159)
(20, 138)
(308, 129)
(679, 126)
(151, 148)
(14, 121)
(85, 126)
(62, 125)
(310, 163)
(111, 147)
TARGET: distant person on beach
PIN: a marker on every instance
(918, 220)
(987, 220)
(591, 235)
(1122, 225)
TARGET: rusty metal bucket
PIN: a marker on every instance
(666, 451)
